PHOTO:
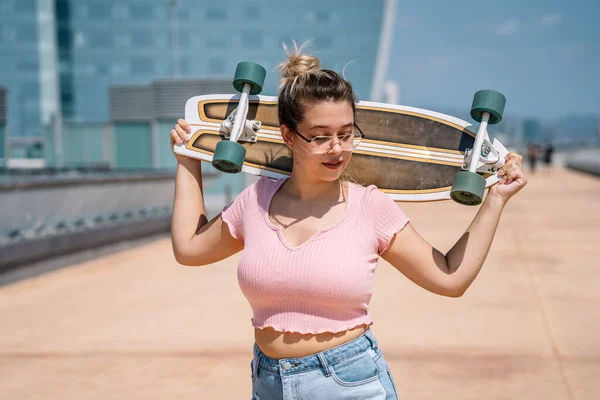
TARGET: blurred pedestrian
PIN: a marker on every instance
(547, 151)
(532, 156)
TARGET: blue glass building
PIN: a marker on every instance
(117, 42)
(29, 72)
(63, 55)
(27, 67)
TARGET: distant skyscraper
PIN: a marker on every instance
(60, 56)
(116, 42)
(29, 64)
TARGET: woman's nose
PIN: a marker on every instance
(336, 148)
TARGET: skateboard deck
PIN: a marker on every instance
(409, 153)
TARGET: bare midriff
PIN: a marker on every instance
(276, 344)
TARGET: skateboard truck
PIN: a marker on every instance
(489, 159)
(229, 154)
(468, 186)
(249, 130)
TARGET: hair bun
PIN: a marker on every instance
(297, 64)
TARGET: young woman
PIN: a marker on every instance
(311, 244)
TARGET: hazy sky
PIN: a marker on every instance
(543, 55)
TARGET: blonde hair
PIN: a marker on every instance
(304, 81)
(297, 66)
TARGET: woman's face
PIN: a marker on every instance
(325, 118)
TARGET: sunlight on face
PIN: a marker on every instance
(323, 119)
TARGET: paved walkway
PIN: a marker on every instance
(135, 325)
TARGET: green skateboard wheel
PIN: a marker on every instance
(249, 72)
(468, 188)
(229, 157)
(488, 101)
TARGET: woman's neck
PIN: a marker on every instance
(311, 189)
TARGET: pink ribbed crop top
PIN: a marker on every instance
(326, 283)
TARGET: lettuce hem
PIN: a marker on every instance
(337, 329)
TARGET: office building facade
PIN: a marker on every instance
(65, 54)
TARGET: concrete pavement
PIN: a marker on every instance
(135, 325)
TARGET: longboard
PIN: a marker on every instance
(409, 153)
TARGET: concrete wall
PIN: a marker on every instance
(587, 161)
(45, 216)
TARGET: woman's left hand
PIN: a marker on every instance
(512, 178)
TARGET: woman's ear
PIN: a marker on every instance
(287, 136)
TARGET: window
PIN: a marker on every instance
(5, 6)
(27, 66)
(161, 39)
(183, 15)
(26, 34)
(184, 39)
(252, 12)
(29, 90)
(216, 66)
(122, 40)
(142, 66)
(100, 40)
(67, 107)
(141, 38)
(9, 35)
(140, 11)
(119, 11)
(252, 39)
(79, 10)
(83, 70)
(64, 66)
(162, 65)
(24, 5)
(184, 66)
(117, 69)
(216, 13)
(99, 10)
(102, 69)
(215, 43)
(31, 106)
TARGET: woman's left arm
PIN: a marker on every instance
(451, 274)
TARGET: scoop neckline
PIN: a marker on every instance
(279, 228)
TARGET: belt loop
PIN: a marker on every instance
(372, 339)
(324, 363)
(255, 364)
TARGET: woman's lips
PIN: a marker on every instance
(333, 164)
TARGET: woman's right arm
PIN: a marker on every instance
(196, 241)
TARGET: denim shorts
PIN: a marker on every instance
(353, 370)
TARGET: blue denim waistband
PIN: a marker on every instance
(286, 366)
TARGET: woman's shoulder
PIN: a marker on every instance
(261, 188)
(264, 184)
(366, 193)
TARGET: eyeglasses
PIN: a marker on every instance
(322, 144)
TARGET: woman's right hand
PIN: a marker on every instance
(180, 135)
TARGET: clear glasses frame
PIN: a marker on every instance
(328, 140)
